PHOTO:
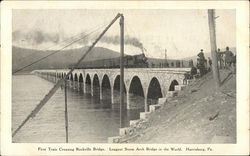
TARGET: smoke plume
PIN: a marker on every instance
(127, 40)
(37, 37)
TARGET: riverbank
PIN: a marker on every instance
(200, 113)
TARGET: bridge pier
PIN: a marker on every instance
(84, 88)
(128, 102)
(101, 92)
(112, 96)
(146, 104)
(92, 89)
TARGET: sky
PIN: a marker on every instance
(181, 32)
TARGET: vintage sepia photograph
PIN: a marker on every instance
(168, 91)
(133, 78)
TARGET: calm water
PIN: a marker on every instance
(90, 120)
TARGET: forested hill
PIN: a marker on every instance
(22, 57)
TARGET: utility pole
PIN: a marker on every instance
(66, 111)
(121, 69)
(211, 23)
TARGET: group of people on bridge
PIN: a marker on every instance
(226, 59)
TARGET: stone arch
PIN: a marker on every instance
(80, 78)
(88, 79)
(88, 84)
(71, 77)
(154, 91)
(172, 85)
(116, 90)
(106, 88)
(116, 85)
(80, 82)
(96, 86)
(75, 77)
(135, 94)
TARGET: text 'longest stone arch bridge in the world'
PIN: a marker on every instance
(142, 86)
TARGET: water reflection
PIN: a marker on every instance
(91, 120)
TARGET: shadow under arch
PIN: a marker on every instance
(75, 77)
(96, 86)
(154, 91)
(80, 81)
(71, 77)
(88, 84)
(106, 89)
(136, 94)
(172, 85)
(116, 91)
(81, 78)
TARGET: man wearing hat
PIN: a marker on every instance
(228, 57)
(201, 62)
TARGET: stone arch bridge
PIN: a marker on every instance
(143, 86)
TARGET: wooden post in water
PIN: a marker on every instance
(66, 110)
(211, 23)
(121, 69)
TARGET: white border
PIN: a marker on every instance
(242, 38)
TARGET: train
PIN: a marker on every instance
(134, 61)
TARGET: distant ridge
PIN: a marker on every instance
(22, 57)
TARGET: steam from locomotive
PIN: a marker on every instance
(133, 41)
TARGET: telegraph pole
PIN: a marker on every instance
(211, 23)
(121, 69)
(66, 110)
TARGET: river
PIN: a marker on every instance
(91, 120)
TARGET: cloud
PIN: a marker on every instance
(36, 38)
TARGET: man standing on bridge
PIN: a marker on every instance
(201, 63)
(220, 58)
(228, 57)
